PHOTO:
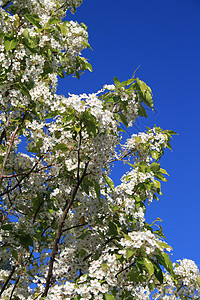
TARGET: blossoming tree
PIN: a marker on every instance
(66, 231)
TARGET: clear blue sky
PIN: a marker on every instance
(163, 37)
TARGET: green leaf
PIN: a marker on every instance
(51, 21)
(89, 67)
(164, 171)
(198, 281)
(26, 241)
(69, 118)
(14, 254)
(157, 184)
(130, 253)
(57, 134)
(77, 74)
(164, 260)
(136, 276)
(84, 26)
(62, 29)
(127, 237)
(77, 297)
(26, 34)
(116, 81)
(109, 297)
(123, 119)
(51, 114)
(172, 132)
(86, 184)
(7, 227)
(155, 167)
(112, 229)
(164, 245)
(23, 89)
(149, 266)
(146, 91)
(148, 99)
(155, 154)
(142, 111)
(16, 22)
(158, 272)
(62, 147)
(34, 19)
(130, 81)
(77, 127)
(109, 182)
(123, 83)
(160, 176)
(97, 189)
(10, 42)
(2, 34)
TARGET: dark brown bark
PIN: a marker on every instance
(59, 233)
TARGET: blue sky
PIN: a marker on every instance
(162, 37)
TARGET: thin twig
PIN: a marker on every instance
(25, 173)
(131, 265)
(79, 161)
(59, 233)
(8, 152)
(10, 146)
(21, 273)
(18, 183)
(10, 276)
(38, 296)
(121, 157)
(75, 226)
(7, 2)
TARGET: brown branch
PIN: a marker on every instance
(3, 135)
(43, 232)
(8, 152)
(7, 2)
(25, 173)
(10, 146)
(59, 233)
(38, 296)
(10, 276)
(75, 226)
(131, 265)
(78, 169)
(88, 256)
(121, 157)
(21, 273)
(61, 7)
(4, 218)
(18, 183)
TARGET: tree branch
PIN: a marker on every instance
(59, 233)
(18, 183)
(21, 273)
(10, 146)
(75, 226)
(10, 276)
(8, 152)
(7, 2)
(131, 265)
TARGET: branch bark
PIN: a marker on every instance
(10, 146)
(59, 233)
(18, 183)
(10, 276)
(8, 152)
(21, 273)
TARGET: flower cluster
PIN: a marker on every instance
(66, 230)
